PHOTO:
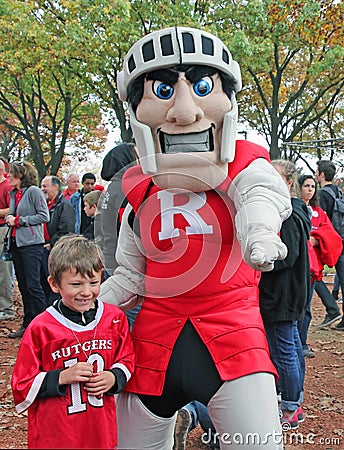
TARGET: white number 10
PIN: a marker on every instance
(78, 405)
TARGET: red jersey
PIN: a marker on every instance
(195, 271)
(329, 246)
(74, 420)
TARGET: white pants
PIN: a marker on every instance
(244, 413)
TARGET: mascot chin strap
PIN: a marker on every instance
(145, 144)
(229, 128)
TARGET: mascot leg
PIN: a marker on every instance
(245, 413)
(139, 429)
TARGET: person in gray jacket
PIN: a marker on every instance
(28, 212)
(113, 202)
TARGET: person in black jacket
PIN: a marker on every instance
(283, 297)
(324, 174)
(61, 222)
(115, 163)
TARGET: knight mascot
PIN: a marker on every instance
(202, 222)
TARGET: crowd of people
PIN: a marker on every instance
(51, 211)
(213, 258)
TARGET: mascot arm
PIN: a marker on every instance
(262, 201)
(126, 285)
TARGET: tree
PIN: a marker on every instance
(40, 96)
(61, 57)
(105, 31)
(291, 56)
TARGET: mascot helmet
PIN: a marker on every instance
(167, 48)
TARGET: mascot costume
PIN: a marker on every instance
(202, 221)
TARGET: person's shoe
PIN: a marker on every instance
(340, 300)
(340, 325)
(308, 353)
(329, 320)
(6, 316)
(16, 334)
(300, 415)
(335, 293)
(181, 429)
(291, 423)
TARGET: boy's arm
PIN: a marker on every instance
(51, 387)
(123, 366)
(27, 376)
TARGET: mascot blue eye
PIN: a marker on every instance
(203, 86)
(162, 90)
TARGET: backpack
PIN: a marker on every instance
(338, 210)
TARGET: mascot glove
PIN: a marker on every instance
(261, 250)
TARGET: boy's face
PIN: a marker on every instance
(89, 210)
(78, 292)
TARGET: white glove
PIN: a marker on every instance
(261, 250)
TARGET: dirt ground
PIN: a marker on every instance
(323, 427)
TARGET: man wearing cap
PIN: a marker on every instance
(202, 221)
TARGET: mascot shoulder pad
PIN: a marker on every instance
(135, 185)
(245, 153)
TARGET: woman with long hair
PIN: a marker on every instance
(325, 246)
(28, 212)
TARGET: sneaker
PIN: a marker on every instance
(340, 300)
(16, 334)
(6, 316)
(300, 415)
(340, 325)
(291, 423)
(181, 429)
(308, 353)
(328, 320)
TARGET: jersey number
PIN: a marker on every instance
(77, 405)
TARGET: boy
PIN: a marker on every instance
(90, 207)
(71, 355)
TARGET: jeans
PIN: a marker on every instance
(303, 325)
(50, 296)
(27, 265)
(131, 315)
(6, 288)
(199, 414)
(327, 299)
(340, 272)
(287, 356)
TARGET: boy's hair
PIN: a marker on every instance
(75, 253)
(92, 197)
(327, 168)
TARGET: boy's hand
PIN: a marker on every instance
(100, 383)
(80, 372)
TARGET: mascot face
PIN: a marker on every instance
(180, 84)
(185, 112)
